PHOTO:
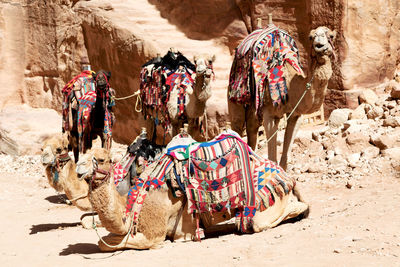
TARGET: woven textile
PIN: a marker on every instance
(82, 84)
(262, 55)
(220, 175)
(158, 79)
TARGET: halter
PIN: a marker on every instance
(107, 83)
(96, 169)
(59, 162)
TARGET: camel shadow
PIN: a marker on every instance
(57, 199)
(80, 248)
(45, 227)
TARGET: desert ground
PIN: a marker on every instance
(353, 222)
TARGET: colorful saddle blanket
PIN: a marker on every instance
(159, 79)
(262, 55)
(216, 176)
(82, 84)
(82, 88)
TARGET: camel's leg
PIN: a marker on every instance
(87, 220)
(271, 126)
(283, 209)
(252, 125)
(272, 216)
(292, 127)
(139, 241)
(237, 114)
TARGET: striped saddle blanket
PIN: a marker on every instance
(220, 175)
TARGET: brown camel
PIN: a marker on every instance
(162, 215)
(319, 73)
(196, 99)
(61, 174)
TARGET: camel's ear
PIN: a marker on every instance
(311, 35)
(332, 35)
(213, 58)
(194, 59)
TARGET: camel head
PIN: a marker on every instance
(103, 79)
(95, 163)
(204, 71)
(322, 39)
(54, 147)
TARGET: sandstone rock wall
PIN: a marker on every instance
(42, 42)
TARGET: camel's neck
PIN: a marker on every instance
(110, 206)
(319, 74)
(75, 189)
(197, 100)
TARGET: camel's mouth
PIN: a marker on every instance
(321, 48)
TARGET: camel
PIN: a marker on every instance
(61, 174)
(195, 97)
(163, 215)
(87, 110)
(313, 87)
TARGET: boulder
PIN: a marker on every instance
(356, 138)
(7, 145)
(338, 117)
(353, 160)
(375, 112)
(358, 113)
(382, 141)
(370, 152)
(392, 153)
(392, 122)
(368, 96)
(394, 88)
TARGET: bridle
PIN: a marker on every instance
(96, 170)
(59, 162)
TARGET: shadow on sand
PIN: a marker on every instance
(45, 227)
(57, 199)
(80, 248)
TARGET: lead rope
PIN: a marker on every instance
(308, 87)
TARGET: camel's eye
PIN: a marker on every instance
(101, 160)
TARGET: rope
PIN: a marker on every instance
(69, 201)
(129, 96)
(308, 86)
(138, 107)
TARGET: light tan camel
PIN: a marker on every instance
(162, 215)
(196, 99)
(319, 73)
(61, 174)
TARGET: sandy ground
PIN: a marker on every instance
(347, 227)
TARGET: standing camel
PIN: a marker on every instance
(87, 110)
(313, 87)
(170, 94)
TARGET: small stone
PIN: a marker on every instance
(392, 122)
(338, 117)
(348, 185)
(336, 251)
